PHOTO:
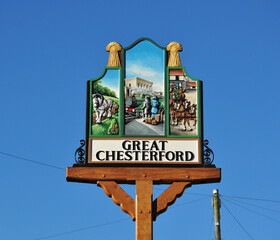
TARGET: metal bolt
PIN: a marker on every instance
(140, 211)
(144, 175)
(103, 175)
(187, 176)
(148, 211)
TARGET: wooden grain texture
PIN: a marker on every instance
(128, 175)
(119, 197)
(168, 197)
(144, 221)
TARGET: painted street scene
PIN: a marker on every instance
(144, 90)
(105, 104)
(182, 104)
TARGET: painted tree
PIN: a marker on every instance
(98, 88)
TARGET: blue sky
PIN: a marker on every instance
(49, 49)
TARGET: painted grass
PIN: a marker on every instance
(102, 128)
(114, 99)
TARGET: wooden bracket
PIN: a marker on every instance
(128, 205)
(119, 197)
(168, 197)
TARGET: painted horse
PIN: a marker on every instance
(172, 113)
(186, 112)
(101, 106)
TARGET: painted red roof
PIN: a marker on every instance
(176, 72)
(192, 84)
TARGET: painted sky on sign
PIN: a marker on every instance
(111, 80)
(49, 49)
(146, 60)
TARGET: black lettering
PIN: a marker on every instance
(136, 145)
(163, 144)
(145, 156)
(98, 156)
(189, 155)
(179, 156)
(126, 145)
(168, 157)
(119, 155)
(154, 145)
(145, 145)
(128, 154)
(112, 155)
(154, 156)
(136, 154)
(161, 155)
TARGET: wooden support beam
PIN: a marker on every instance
(168, 197)
(143, 210)
(144, 221)
(128, 175)
(119, 197)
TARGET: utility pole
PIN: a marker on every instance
(216, 205)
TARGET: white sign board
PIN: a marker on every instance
(148, 151)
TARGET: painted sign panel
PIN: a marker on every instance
(105, 102)
(144, 93)
(183, 92)
(144, 90)
(143, 151)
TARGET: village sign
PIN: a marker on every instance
(144, 126)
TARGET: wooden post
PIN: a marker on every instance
(144, 218)
(217, 205)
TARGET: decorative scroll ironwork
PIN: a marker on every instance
(80, 153)
(208, 153)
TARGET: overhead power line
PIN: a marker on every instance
(103, 224)
(275, 220)
(240, 225)
(256, 206)
(32, 161)
(82, 229)
(56, 167)
(207, 195)
(199, 194)
(247, 198)
(189, 202)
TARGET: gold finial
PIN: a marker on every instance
(174, 58)
(114, 59)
